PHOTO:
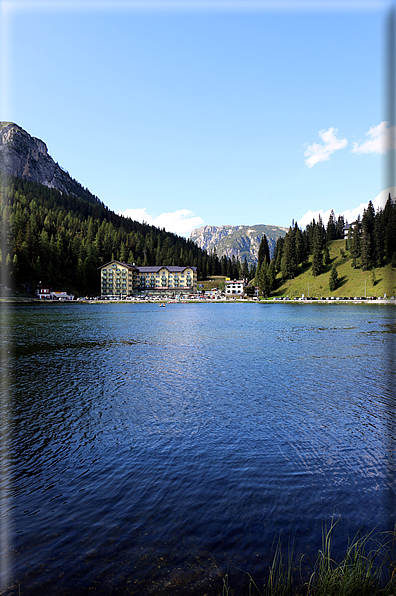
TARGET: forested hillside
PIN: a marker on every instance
(61, 240)
(371, 244)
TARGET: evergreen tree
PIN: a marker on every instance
(278, 253)
(234, 268)
(327, 258)
(223, 263)
(263, 252)
(263, 279)
(367, 236)
(289, 260)
(331, 230)
(333, 281)
(271, 275)
(340, 227)
(123, 253)
(354, 242)
(317, 258)
(245, 269)
(366, 247)
(389, 215)
(301, 255)
(379, 238)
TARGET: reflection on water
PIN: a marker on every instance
(153, 448)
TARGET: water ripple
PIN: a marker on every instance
(153, 445)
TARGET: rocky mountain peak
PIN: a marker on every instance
(238, 241)
(27, 157)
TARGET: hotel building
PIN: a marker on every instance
(235, 286)
(123, 279)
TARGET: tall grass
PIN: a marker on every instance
(368, 568)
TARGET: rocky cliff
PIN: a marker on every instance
(238, 241)
(26, 157)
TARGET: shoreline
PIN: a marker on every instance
(300, 301)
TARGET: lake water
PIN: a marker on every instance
(149, 449)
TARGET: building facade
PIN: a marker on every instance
(234, 286)
(123, 279)
(47, 293)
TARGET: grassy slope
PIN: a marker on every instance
(213, 282)
(351, 280)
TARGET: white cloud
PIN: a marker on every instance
(349, 214)
(180, 222)
(381, 139)
(316, 153)
(310, 215)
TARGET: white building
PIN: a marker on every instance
(46, 293)
(61, 296)
(234, 286)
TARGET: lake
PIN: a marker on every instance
(149, 450)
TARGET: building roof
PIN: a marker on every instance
(170, 268)
(118, 263)
(152, 268)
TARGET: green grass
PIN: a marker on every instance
(213, 282)
(368, 568)
(351, 280)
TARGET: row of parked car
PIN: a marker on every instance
(304, 298)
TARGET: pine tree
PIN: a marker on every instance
(366, 247)
(367, 236)
(317, 258)
(271, 275)
(327, 258)
(263, 279)
(123, 253)
(278, 253)
(300, 246)
(354, 243)
(379, 237)
(245, 269)
(389, 215)
(263, 252)
(333, 281)
(340, 227)
(331, 230)
(289, 260)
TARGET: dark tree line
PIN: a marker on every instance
(371, 243)
(61, 240)
(372, 238)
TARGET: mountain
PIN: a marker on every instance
(26, 157)
(59, 234)
(238, 241)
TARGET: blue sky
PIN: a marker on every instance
(184, 115)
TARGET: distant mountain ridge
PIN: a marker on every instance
(238, 241)
(27, 157)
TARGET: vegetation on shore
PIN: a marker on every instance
(351, 282)
(61, 240)
(318, 261)
(368, 568)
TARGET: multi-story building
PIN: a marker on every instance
(123, 279)
(234, 286)
(46, 293)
